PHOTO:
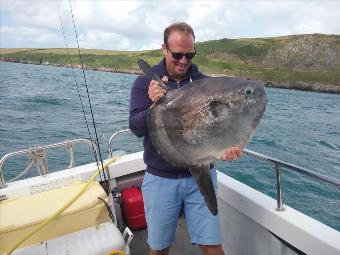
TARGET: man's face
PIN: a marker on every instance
(178, 42)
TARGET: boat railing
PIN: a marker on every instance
(113, 136)
(37, 157)
(278, 164)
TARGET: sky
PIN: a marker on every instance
(139, 25)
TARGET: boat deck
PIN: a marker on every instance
(182, 244)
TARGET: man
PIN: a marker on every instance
(167, 189)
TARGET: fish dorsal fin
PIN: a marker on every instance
(147, 70)
(203, 179)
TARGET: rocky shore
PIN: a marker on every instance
(78, 66)
(306, 86)
(297, 85)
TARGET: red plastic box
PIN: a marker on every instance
(133, 208)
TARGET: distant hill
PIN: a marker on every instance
(307, 62)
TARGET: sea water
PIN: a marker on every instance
(40, 105)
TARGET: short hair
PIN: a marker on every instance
(178, 26)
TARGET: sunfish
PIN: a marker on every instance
(193, 125)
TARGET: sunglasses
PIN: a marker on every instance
(179, 55)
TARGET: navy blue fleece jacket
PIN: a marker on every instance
(139, 109)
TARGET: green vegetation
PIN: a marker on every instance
(298, 59)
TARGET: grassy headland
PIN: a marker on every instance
(307, 62)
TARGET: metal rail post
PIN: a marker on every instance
(279, 199)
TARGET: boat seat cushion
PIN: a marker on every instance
(21, 215)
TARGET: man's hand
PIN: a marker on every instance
(232, 153)
(155, 90)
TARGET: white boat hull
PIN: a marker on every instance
(250, 222)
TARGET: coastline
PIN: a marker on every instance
(297, 85)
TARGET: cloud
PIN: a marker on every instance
(136, 25)
(28, 37)
(38, 14)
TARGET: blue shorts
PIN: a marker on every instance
(163, 199)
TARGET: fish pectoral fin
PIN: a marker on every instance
(203, 179)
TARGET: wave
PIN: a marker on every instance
(46, 100)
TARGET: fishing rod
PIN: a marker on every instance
(79, 95)
(104, 178)
(77, 86)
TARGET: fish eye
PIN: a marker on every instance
(249, 91)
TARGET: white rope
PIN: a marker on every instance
(37, 156)
(39, 159)
(70, 151)
(29, 166)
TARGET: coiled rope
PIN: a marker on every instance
(36, 156)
